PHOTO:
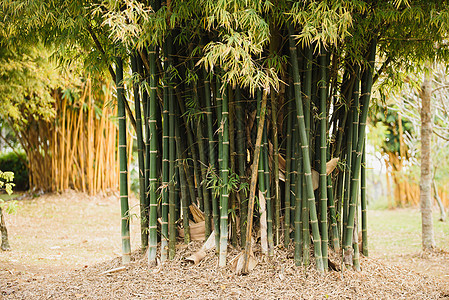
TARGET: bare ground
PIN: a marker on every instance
(62, 244)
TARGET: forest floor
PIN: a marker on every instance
(62, 244)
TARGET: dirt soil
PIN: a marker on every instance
(63, 244)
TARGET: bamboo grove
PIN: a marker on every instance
(253, 111)
(192, 150)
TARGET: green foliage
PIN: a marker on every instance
(27, 79)
(324, 23)
(17, 164)
(215, 183)
(10, 207)
(6, 183)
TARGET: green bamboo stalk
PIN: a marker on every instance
(266, 170)
(339, 199)
(340, 132)
(367, 81)
(198, 173)
(363, 204)
(288, 163)
(203, 167)
(308, 87)
(219, 106)
(183, 182)
(355, 125)
(140, 159)
(333, 216)
(146, 171)
(165, 177)
(146, 111)
(192, 148)
(355, 241)
(124, 206)
(212, 156)
(224, 124)
(347, 184)
(152, 180)
(298, 206)
(165, 166)
(277, 191)
(305, 221)
(305, 153)
(172, 153)
(293, 164)
(241, 161)
(201, 94)
(355, 118)
(323, 155)
(172, 174)
(232, 196)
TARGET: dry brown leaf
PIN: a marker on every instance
(201, 254)
(197, 214)
(197, 231)
(331, 165)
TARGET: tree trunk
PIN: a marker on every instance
(428, 241)
(4, 233)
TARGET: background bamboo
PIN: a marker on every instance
(62, 145)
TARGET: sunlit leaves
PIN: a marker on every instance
(27, 80)
(235, 56)
(125, 20)
(326, 22)
(6, 183)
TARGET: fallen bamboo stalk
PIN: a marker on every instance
(115, 270)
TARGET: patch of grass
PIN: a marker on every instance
(13, 196)
(398, 232)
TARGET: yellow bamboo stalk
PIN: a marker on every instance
(68, 138)
(100, 152)
(90, 142)
(62, 151)
(78, 146)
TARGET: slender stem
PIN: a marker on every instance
(241, 162)
(141, 161)
(165, 165)
(363, 204)
(124, 206)
(225, 179)
(212, 156)
(152, 180)
(323, 155)
(183, 182)
(298, 206)
(288, 163)
(277, 196)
